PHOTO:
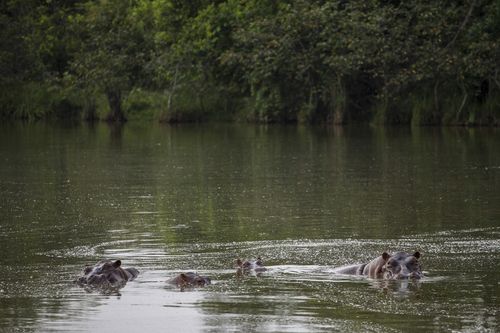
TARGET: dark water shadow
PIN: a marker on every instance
(106, 289)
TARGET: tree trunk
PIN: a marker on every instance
(339, 98)
(338, 116)
(89, 108)
(172, 90)
(436, 111)
(115, 106)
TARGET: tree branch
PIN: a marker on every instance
(461, 27)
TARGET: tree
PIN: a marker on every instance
(113, 52)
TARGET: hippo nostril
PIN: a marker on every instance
(401, 276)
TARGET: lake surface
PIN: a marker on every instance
(170, 199)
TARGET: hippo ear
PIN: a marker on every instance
(239, 262)
(416, 255)
(117, 263)
(386, 256)
(183, 277)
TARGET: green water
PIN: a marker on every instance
(194, 198)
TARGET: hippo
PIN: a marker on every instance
(189, 280)
(400, 265)
(247, 266)
(106, 273)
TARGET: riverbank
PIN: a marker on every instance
(34, 102)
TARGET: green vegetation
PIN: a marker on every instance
(388, 62)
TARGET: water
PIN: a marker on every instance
(194, 198)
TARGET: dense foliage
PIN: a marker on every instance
(419, 62)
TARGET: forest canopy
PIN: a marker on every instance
(420, 62)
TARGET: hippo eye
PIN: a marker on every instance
(413, 265)
(106, 267)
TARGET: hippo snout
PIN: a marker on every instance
(403, 276)
(96, 279)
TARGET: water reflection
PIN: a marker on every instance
(398, 288)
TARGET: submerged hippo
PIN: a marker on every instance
(106, 273)
(189, 280)
(400, 265)
(246, 266)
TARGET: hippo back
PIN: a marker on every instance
(350, 269)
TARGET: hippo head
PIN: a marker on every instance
(104, 272)
(189, 280)
(402, 265)
(257, 265)
(193, 279)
